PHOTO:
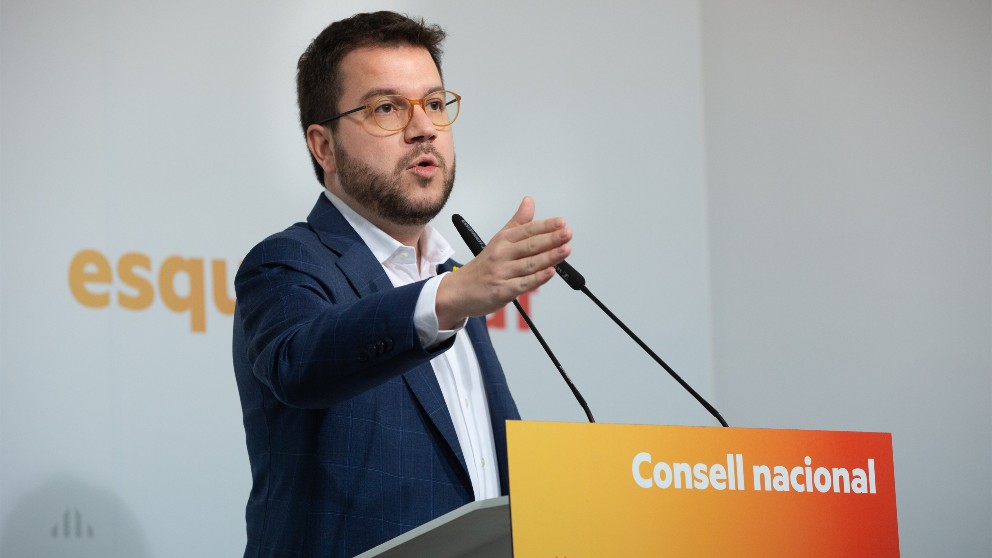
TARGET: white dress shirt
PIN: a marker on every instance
(457, 369)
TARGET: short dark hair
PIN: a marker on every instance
(318, 81)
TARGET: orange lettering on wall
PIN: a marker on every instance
(180, 281)
(144, 290)
(193, 302)
(497, 320)
(90, 267)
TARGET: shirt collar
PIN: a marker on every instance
(434, 249)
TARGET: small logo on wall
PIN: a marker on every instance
(72, 526)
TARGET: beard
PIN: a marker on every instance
(383, 193)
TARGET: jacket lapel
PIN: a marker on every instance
(366, 276)
(355, 260)
(423, 384)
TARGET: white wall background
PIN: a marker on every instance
(848, 164)
(790, 201)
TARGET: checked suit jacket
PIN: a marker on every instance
(349, 438)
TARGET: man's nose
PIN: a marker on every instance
(420, 128)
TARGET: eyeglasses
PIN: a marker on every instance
(394, 112)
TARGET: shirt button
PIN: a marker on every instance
(483, 461)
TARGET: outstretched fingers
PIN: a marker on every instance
(533, 262)
(520, 258)
(540, 237)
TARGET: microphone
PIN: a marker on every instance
(712, 410)
(572, 277)
(475, 244)
(578, 283)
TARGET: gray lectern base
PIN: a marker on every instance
(478, 529)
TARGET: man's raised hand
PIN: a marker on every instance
(520, 258)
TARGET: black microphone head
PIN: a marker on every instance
(468, 234)
(572, 277)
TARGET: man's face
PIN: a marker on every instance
(403, 177)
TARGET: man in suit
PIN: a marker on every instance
(372, 398)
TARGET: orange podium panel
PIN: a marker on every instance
(602, 490)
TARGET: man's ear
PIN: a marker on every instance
(320, 140)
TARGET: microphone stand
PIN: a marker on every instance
(475, 244)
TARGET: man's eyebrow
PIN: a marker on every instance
(381, 91)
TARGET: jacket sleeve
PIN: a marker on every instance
(310, 337)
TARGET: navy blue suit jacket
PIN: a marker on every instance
(348, 435)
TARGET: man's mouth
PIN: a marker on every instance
(424, 166)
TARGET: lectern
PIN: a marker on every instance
(478, 529)
(636, 490)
